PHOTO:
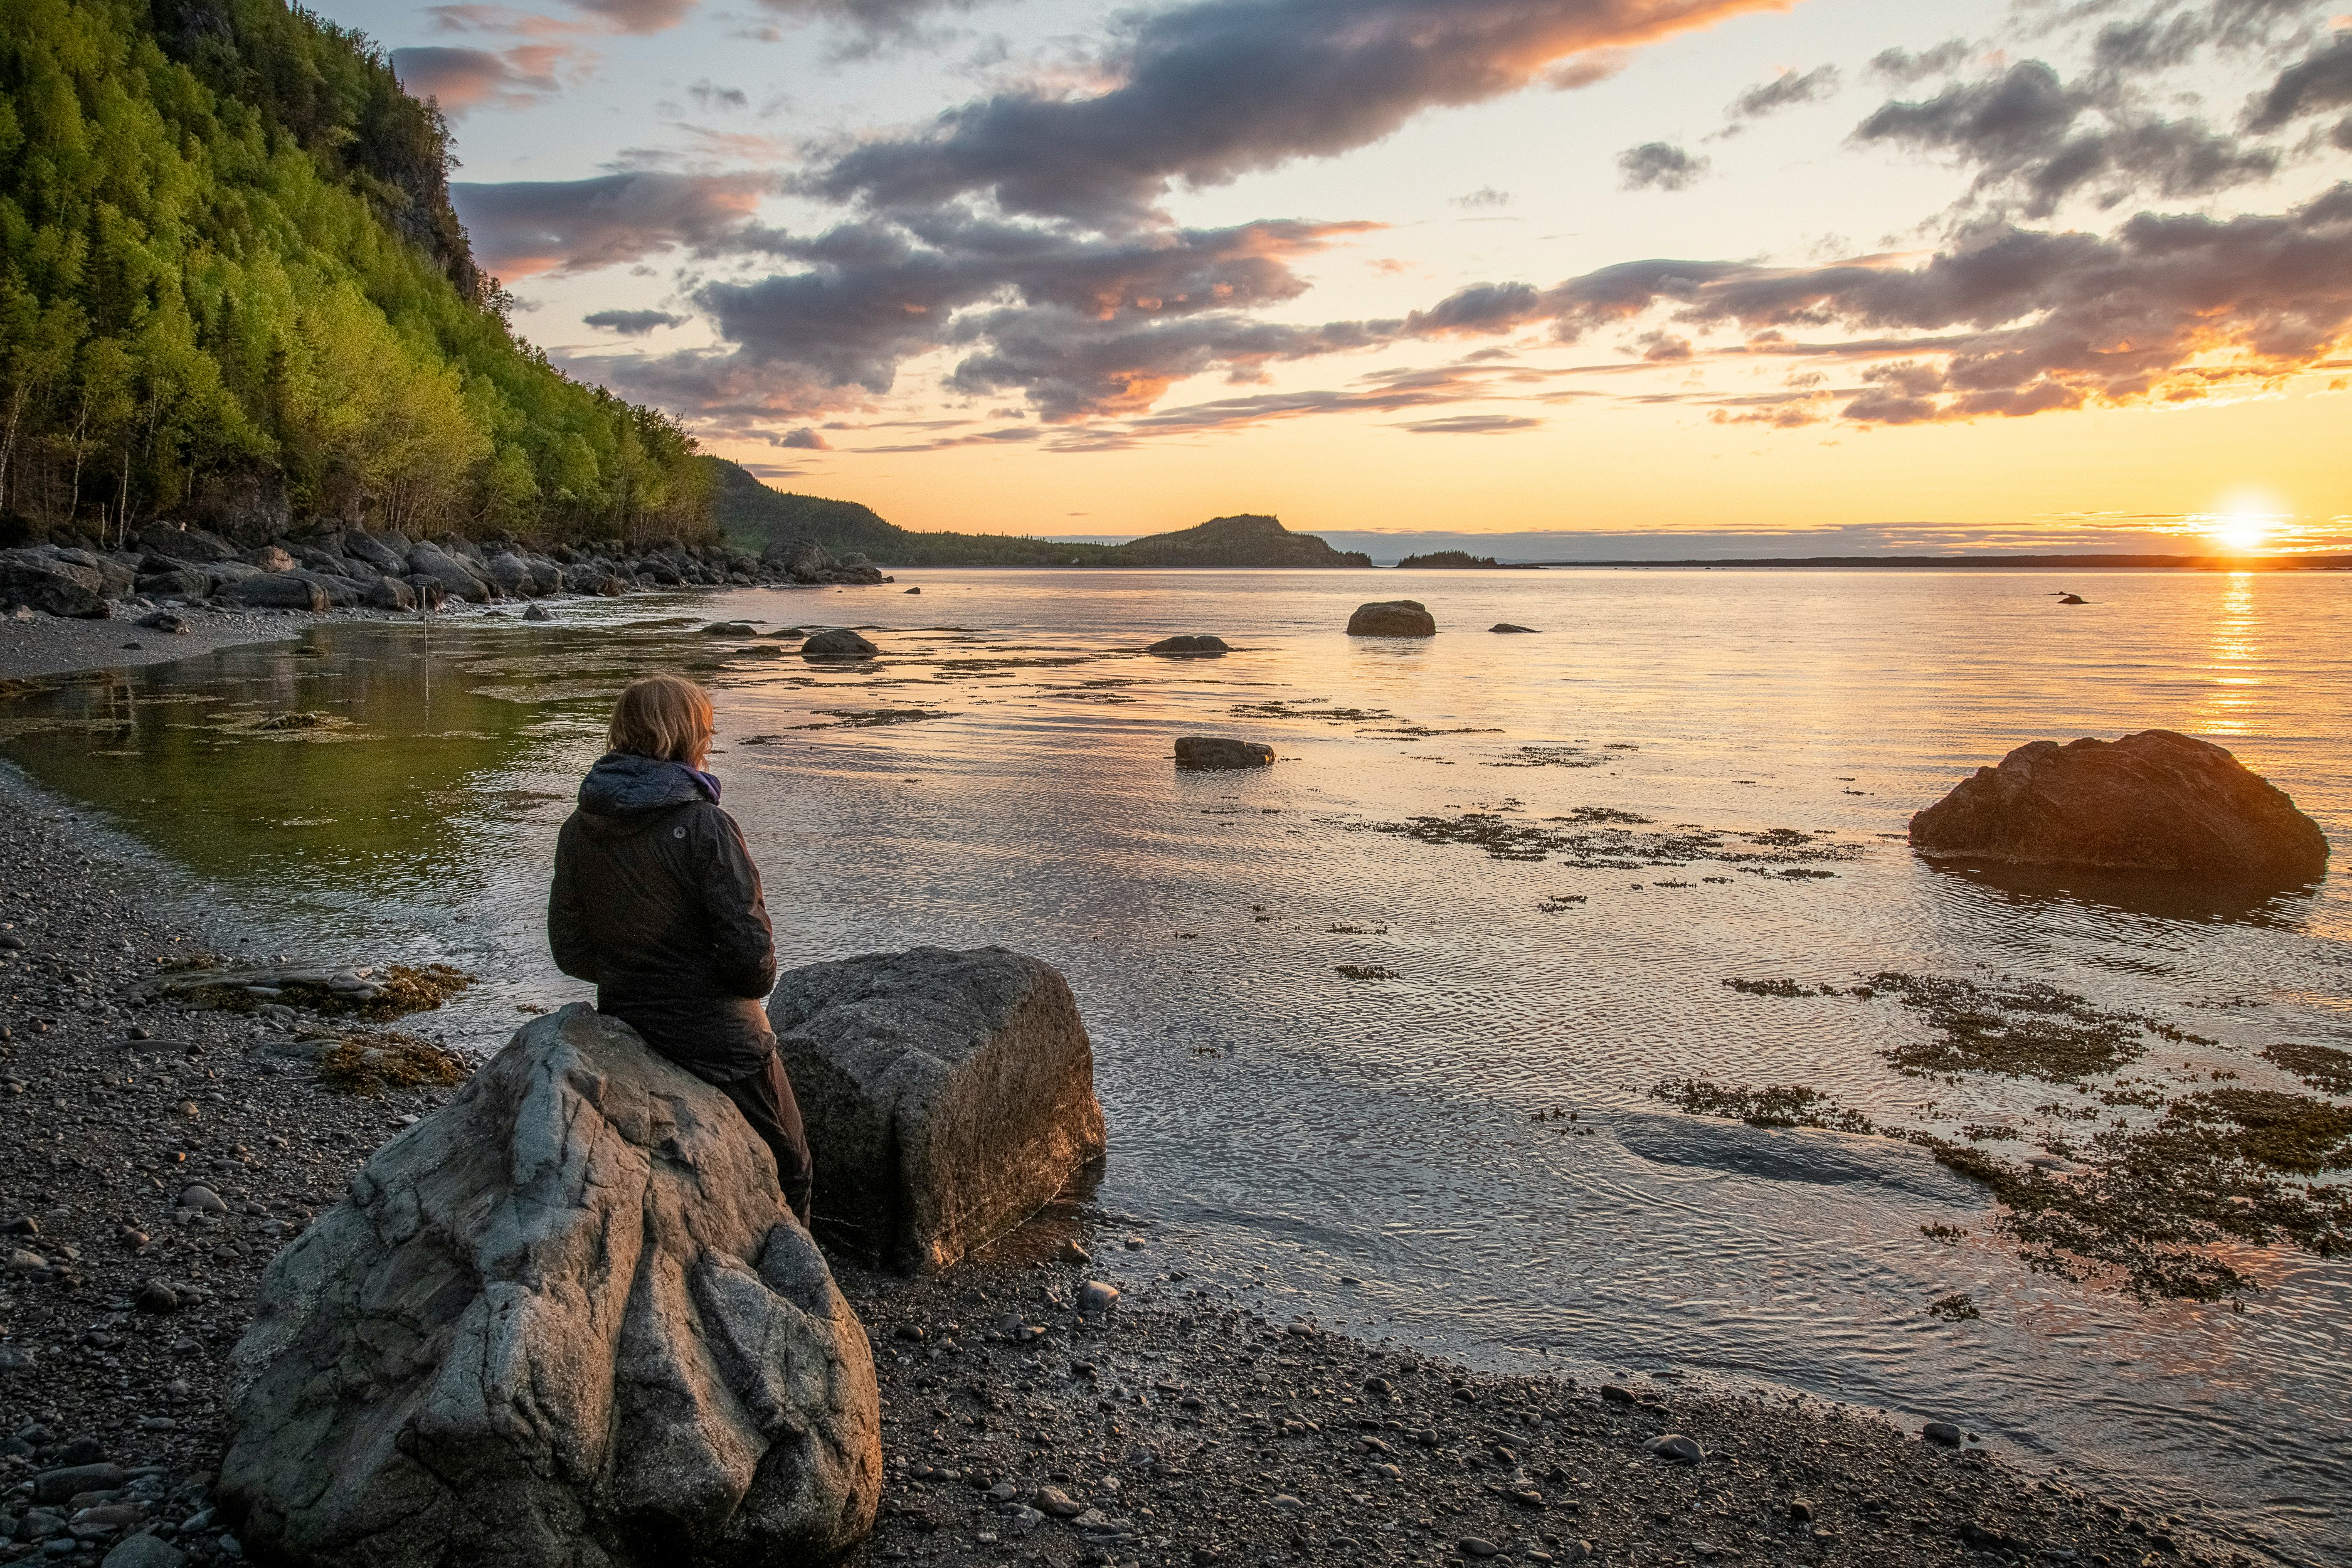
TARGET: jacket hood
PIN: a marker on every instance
(625, 786)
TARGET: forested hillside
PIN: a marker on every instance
(232, 292)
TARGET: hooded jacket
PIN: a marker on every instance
(656, 902)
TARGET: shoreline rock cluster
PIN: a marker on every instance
(345, 568)
(154, 1159)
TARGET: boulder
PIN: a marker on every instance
(1507, 626)
(729, 629)
(275, 591)
(457, 579)
(190, 544)
(515, 575)
(1392, 618)
(388, 594)
(269, 558)
(565, 1320)
(2155, 801)
(116, 577)
(369, 550)
(36, 579)
(948, 1096)
(841, 644)
(175, 582)
(166, 622)
(1185, 645)
(1216, 751)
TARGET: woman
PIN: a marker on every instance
(658, 903)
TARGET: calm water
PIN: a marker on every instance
(1002, 775)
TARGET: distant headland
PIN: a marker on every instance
(755, 518)
(2081, 562)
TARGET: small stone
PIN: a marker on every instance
(1059, 1503)
(1221, 752)
(539, 612)
(1283, 1502)
(911, 1331)
(1002, 1492)
(22, 1225)
(202, 1199)
(1477, 1546)
(130, 1235)
(188, 1109)
(145, 1552)
(1135, 1244)
(1379, 1387)
(23, 1262)
(1942, 1432)
(1678, 1448)
(1095, 1296)
(1073, 1253)
(61, 1484)
(1616, 1395)
(155, 1296)
(1799, 1512)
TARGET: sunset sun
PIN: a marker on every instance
(2242, 532)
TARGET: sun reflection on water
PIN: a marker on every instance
(2234, 653)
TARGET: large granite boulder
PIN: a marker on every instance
(1190, 645)
(276, 590)
(565, 1321)
(190, 544)
(41, 580)
(2155, 801)
(948, 1096)
(456, 575)
(1392, 618)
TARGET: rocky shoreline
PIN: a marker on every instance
(153, 1158)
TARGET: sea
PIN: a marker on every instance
(1379, 1030)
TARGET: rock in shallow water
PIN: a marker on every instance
(1200, 644)
(1392, 618)
(842, 644)
(1218, 751)
(948, 1095)
(2155, 801)
(566, 1320)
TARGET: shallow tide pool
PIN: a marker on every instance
(1377, 1028)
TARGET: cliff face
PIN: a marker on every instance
(233, 293)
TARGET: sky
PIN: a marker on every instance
(1768, 275)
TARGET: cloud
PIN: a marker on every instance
(632, 323)
(1083, 324)
(805, 440)
(1658, 165)
(1788, 88)
(2317, 84)
(1904, 67)
(1484, 197)
(711, 97)
(2168, 309)
(1206, 92)
(1472, 424)
(522, 227)
(638, 15)
(462, 80)
(2037, 140)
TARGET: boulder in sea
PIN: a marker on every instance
(2072, 599)
(1392, 618)
(1507, 626)
(841, 644)
(2155, 801)
(1218, 751)
(536, 613)
(914, 590)
(566, 1320)
(1202, 644)
(729, 629)
(948, 1095)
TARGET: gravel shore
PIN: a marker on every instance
(153, 1158)
(54, 645)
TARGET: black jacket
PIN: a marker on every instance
(657, 901)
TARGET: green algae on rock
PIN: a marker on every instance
(2019, 1028)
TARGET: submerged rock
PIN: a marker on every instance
(566, 1320)
(1190, 645)
(2155, 801)
(948, 1096)
(1217, 752)
(1507, 626)
(1392, 618)
(841, 644)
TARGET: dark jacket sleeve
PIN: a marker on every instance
(567, 925)
(743, 946)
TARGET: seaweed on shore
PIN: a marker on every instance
(1317, 709)
(1775, 1105)
(367, 1064)
(1547, 757)
(2019, 1029)
(1594, 837)
(2319, 1066)
(857, 719)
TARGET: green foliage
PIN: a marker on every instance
(232, 290)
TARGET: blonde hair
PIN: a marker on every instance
(665, 717)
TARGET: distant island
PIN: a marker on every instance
(2081, 562)
(756, 518)
(1462, 560)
